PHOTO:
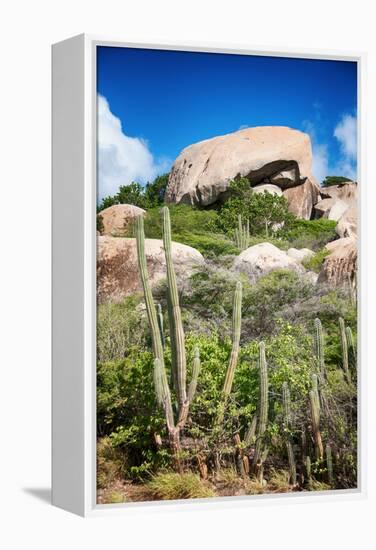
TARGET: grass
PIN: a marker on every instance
(173, 486)
(313, 234)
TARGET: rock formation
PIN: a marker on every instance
(117, 267)
(116, 218)
(274, 155)
(302, 198)
(300, 254)
(340, 267)
(262, 258)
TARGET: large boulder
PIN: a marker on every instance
(323, 207)
(340, 267)
(260, 259)
(337, 210)
(347, 225)
(302, 198)
(275, 155)
(117, 265)
(301, 254)
(117, 218)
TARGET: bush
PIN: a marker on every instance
(313, 234)
(334, 180)
(264, 211)
(315, 262)
(172, 486)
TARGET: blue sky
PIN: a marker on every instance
(153, 103)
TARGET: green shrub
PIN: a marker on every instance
(313, 234)
(315, 262)
(173, 486)
(263, 210)
(334, 180)
(111, 463)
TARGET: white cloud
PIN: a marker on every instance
(345, 132)
(121, 159)
(320, 156)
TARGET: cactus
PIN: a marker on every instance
(180, 366)
(308, 469)
(242, 234)
(329, 464)
(351, 348)
(156, 326)
(263, 409)
(344, 348)
(314, 402)
(236, 329)
(319, 348)
(251, 432)
(160, 323)
(287, 427)
(195, 372)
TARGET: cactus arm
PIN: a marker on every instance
(329, 464)
(149, 301)
(344, 348)
(319, 348)
(172, 289)
(236, 329)
(263, 406)
(251, 432)
(287, 425)
(195, 372)
(315, 418)
(160, 323)
(163, 392)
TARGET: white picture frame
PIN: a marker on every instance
(74, 279)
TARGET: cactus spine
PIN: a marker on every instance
(263, 411)
(319, 348)
(314, 402)
(329, 464)
(344, 348)
(287, 426)
(242, 234)
(236, 330)
(180, 366)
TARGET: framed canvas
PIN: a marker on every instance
(208, 275)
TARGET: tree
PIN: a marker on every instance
(334, 180)
(155, 191)
(134, 193)
(264, 211)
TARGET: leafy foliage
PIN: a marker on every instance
(145, 197)
(264, 211)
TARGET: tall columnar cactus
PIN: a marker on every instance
(251, 432)
(160, 323)
(242, 234)
(236, 330)
(329, 464)
(314, 402)
(180, 365)
(160, 378)
(344, 348)
(195, 372)
(308, 468)
(260, 450)
(287, 428)
(319, 348)
(351, 348)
